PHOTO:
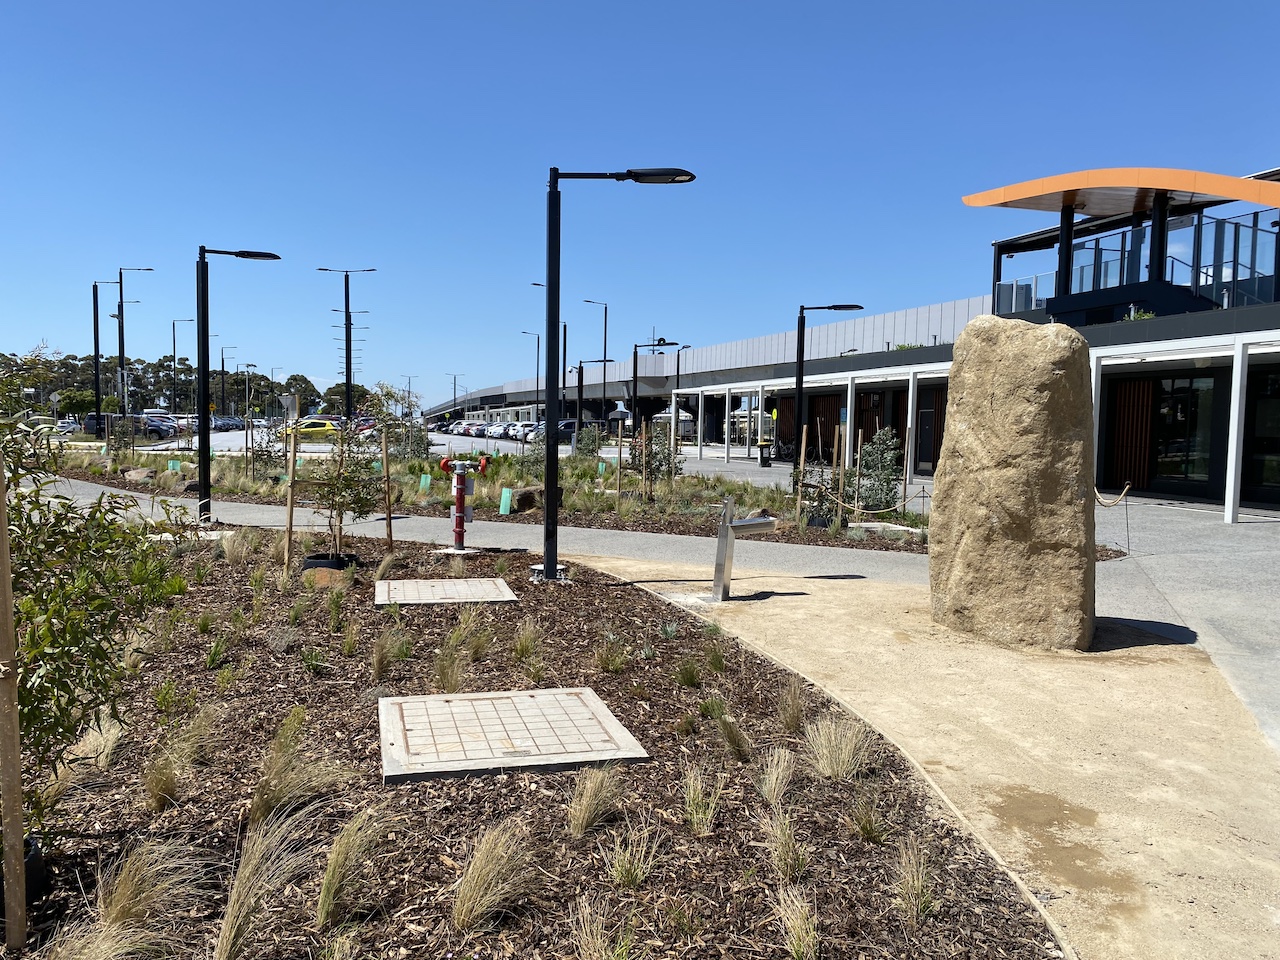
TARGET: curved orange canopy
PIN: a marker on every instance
(1121, 190)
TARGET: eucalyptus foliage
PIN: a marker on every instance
(347, 483)
(85, 579)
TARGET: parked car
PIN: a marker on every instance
(312, 428)
(68, 426)
(497, 430)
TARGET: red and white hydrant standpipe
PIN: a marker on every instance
(460, 469)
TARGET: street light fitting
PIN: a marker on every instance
(244, 254)
(334, 270)
(836, 306)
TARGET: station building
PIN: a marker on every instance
(1170, 275)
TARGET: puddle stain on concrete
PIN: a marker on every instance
(1049, 823)
(902, 636)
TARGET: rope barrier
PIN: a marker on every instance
(1111, 503)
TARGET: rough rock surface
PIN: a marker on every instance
(1011, 537)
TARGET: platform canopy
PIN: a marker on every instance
(1125, 190)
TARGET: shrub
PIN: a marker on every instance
(881, 473)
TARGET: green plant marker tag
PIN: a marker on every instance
(212, 455)
(504, 507)
(175, 465)
(603, 467)
(424, 483)
(104, 449)
(298, 462)
(377, 466)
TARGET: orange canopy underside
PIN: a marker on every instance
(1121, 190)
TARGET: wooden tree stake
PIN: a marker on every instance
(15, 880)
(288, 512)
(804, 442)
(386, 488)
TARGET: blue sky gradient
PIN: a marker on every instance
(832, 144)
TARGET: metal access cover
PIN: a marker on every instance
(481, 590)
(455, 734)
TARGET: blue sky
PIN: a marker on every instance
(832, 142)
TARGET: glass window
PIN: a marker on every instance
(1184, 413)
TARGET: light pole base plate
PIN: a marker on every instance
(539, 574)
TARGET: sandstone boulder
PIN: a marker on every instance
(1011, 534)
(140, 475)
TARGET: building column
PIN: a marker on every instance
(1066, 237)
(1095, 376)
(760, 414)
(728, 423)
(913, 399)
(851, 427)
(675, 424)
(1235, 430)
(702, 409)
(1159, 236)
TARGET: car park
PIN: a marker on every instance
(497, 430)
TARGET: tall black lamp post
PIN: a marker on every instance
(799, 417)
(100, 430)
(551, 513)
(124, 383)
(604, 369)
(346, 309)
(687, 346)
(537, 357)
(222, 404)
(173, 384)
(635, 379)
(204, 407)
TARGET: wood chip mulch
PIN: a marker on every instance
(710, 896)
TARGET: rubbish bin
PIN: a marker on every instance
(766, 451)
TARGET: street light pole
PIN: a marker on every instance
(346, 309)
(97, 369)
(537, 357)
(124, 383)
(222, 404)
(173, 389)
(798, 421)
(635, 379)
(604, 364)
(687, 346)
(205, 479)
(551, 496)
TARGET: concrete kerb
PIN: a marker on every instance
(1059, 936)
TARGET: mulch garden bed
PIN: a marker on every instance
(703, 523)
(711, 896)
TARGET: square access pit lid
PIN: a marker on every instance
(456, 734)
(409, 592)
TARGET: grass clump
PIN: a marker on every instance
(867, 819)
(595, 796)
(775, 775)
(634, 852)
(713, 708)
(313, 660)
(612, 655)
(450, 668)
(701, 801)
(498, 876)
(289, 779)
(799, 924)
(669, 630)
(791, 705)
(90, 941)
(204, 623)
(595, 937)
(160, 779)
(688, 674)
(913, 882)
(527, 641)
(217, 653)
(349, 638)
(785, 852)
(386, 566)
(340, 893)
(152, 882)
(273, 855)
(735, 741)
(839, 748)
(334, 603)
(716, 661)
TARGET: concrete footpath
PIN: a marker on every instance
(1134, 788)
